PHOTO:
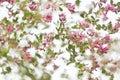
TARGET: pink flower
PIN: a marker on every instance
(102, 49)
(27, 55)
(107, 38)
(112, 69)
(47, 6)
(47, 17)
(17, 27)
(10, 28)
(109, 8)
(104, 1)
(116, 27)
(70, 7)
(32, 7)
(85, 24)
(4, 0)
(12, 1)
(62, 17)
(46, 44)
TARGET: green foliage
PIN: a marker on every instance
(77, 2)
(4, 52)
(45, 76)
(79, 65)
(108, 74)
(50, 53)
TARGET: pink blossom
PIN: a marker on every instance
(102, 49)
(112, 69)
(104, 1)
(47, 17)
(17, 27)
(46, 44)
(32, 7)
(116, 27)
(47, 6)
(27, 55)
(109, 8)
(62, 17)
(12, 1)
(107, 38)
(70, 7)
(10, 28)
(4, 0)
(85, 24)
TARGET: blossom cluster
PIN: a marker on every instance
(59, 40)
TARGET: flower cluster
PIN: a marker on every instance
(50, 39)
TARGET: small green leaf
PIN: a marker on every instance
(90, 11)
(45, 76)
(77, 2)
(50, 53)
(38, 55)
(4, 51)
(60, 9)
(8, 69)
(57, 36)
(79, 65)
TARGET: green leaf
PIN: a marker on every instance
(111, 2)
(4, 51)
(38, 55)
(45, 76)
(57, 36)
(98, 27)
(90, 11)
(6, 21)
(34, 61)
(50, 53)
(60, 9)
(15, 20)
(17, 0)
(79, 65)
(8, 69)
(77, 2)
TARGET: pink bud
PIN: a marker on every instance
(32, 7)
(113, 69)
(62, 17)
(27, 55)
(10, 28)
(85, 24)
(109, 8)
(12, 1)
(103, 49)
(47, 6)
(70, 7)
(107, 38)
(47, 17)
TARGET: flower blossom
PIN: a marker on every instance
(10, 28)
(27, 55)
(107, 38)
(109, 8)
(85, 24)
(47, 6)
(70, 7)
(47, 17)
(62, 17)
(102, 49)
(116, 27)
(32, 7)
